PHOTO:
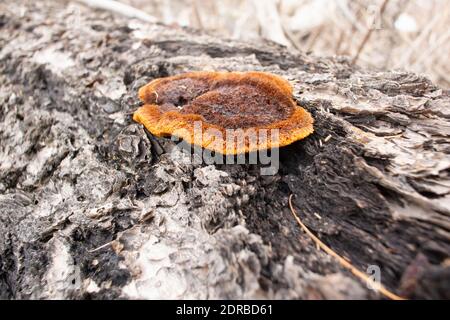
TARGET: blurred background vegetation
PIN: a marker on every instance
(388, 34)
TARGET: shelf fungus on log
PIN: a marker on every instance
(226, 112)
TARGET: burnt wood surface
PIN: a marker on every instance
(93, 206)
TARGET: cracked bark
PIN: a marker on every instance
(93, 206)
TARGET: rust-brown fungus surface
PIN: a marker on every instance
(228, 112)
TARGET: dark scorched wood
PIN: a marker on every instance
(92, 206)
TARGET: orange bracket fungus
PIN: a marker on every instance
(226, 112)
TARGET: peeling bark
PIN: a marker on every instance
(93, 206)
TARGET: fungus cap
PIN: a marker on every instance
(225, 107)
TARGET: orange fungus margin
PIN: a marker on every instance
(226, 112)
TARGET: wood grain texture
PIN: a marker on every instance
(93, 206)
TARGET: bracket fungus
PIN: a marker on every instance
(226, 112)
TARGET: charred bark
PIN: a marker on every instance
(93, 206)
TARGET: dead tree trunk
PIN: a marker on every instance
(91, 205)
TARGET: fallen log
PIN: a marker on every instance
(94, 206)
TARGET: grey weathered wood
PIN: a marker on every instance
(93, 206)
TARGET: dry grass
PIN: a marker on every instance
(409, 34)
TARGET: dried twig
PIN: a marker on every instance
(291, 37)
(101, 247)
(368, 33)
(196, 14)
(339, 42)
(269, 21)
(361, 275)
(418, 41)
(313, 38)
(356, 26)
(436, 45)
